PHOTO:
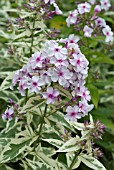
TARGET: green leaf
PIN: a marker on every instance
(100, 58)
(94, 94)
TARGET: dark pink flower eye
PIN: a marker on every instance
(50, 96)
(34, 84)
(73, 114)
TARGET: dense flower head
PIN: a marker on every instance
(59, 63)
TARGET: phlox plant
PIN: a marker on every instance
(43, 126)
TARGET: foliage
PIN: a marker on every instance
(39, 136)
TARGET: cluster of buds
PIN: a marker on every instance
(96, 129)
(59, 64)
(93, 24)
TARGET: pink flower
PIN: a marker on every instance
(84, 93)
(61, 74)
(37, 60)
(8, 114)
(79, 62)
(51, 95)
(56, 50)
(72, 18)
(23, 85)
(84, 7)
(100, 22)
(108, 33)
(35, 84)
(72, 113)
(105, 4)
(84, 107)
(97, 9)
(87, 31)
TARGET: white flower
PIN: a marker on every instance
(36, 60)
(35, 84)
(51, 95)
(108, 33)
(87, 31)
(8, 114)
(100, 22)
(72, 113)
(84, 93)
(72, 18)
(105, 4)
(61, 75)
(84, 7)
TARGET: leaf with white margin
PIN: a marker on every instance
(91, 162)
(70, 157)
(78, 126)
(70, 146)
(54, 142)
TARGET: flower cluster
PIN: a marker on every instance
(60, 63)
(93, 24)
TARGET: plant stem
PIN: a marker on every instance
(26, 97)
(32, 35)
(42, 121)
(73, 161)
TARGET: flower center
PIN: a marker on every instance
(34, 84)
(78, 62)
(37, 59)
(50, 96)
(60, 73)
(72, 114)
(60, 61)
(71, 41)
(56, 49)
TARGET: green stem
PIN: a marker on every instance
(26, 96)
(32, 35)
(42, 121)
(73, 161)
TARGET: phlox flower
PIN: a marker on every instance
(108, 33)
(71, 39)
(23, 85)
(84, 7)
(84, 93)
(8, 114)
(100, 22)
(35, 84)
(72, 18)
(87, 31)
(84, 107)
(97, 8)
(61, 74)
(51, 95)
(79, 62)
(105, 4)
(72, 113)
(36, 60)
(56, 50)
